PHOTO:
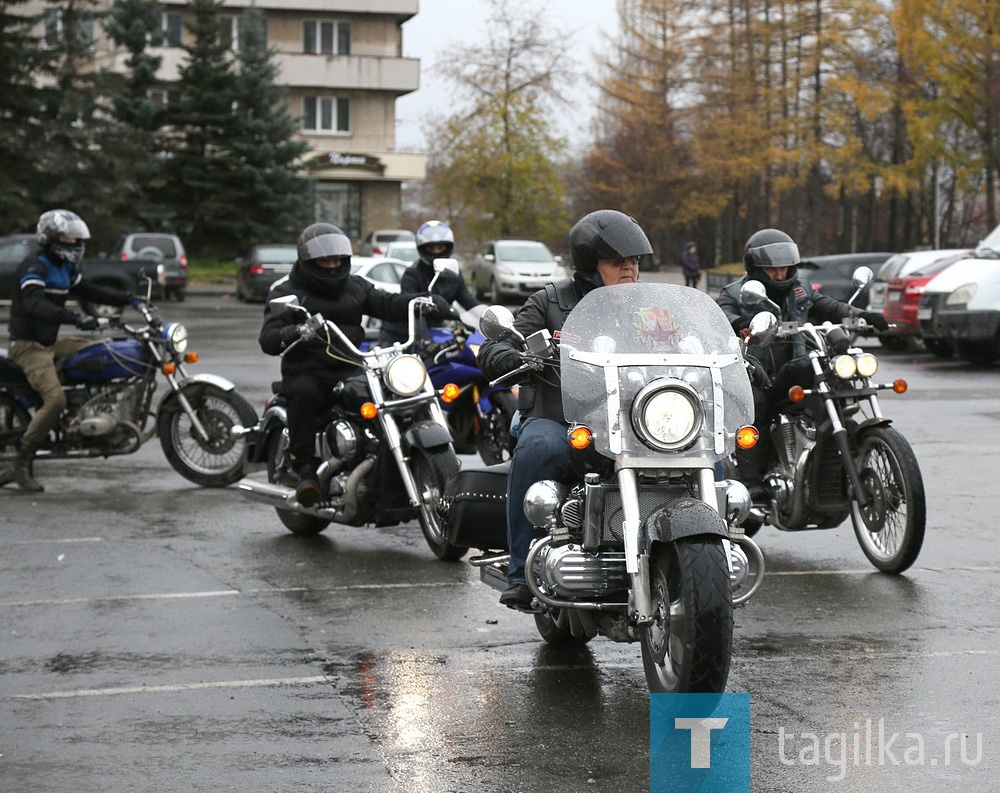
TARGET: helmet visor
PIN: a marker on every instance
(777, 254)
(325, 246)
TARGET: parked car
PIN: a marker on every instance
(899, 265)
(375, 243)
(507, 269)
(13, 249)
(902, 300)
(404, 250)
(831, 275)
(165, 248)
(260, 268)
(384, 273)
(961, 305)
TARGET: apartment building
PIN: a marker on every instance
(342, 63)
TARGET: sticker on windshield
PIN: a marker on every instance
(657, 327)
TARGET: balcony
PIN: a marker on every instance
(361, 72)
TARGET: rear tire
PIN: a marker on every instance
(494, 443)
(939, 348)
(978, 353)
(279, 472)
(891, 528)
(688, 647)
(430, 470)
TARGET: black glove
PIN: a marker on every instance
(442, 308)
(87, 323)
(876, 319)
(289, 334)
(507, 361)
(740, 323)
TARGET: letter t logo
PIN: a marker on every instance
(701, 735)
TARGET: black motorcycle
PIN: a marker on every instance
(110, 387)
(835, 455)
(385, 447)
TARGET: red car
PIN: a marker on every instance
(902, 299)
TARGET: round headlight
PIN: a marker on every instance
(867, 364)
(405, 375)
(845, 366)
(176, 336)
(666, 417)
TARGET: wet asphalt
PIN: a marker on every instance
(157, 636)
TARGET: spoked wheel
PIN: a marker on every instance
(430, 470)
(279, 472)
(494, 442)
(688, 646)
(215, 461)
(565, 627)
(890, 528)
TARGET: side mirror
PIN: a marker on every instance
(283, 304)
(763, 327)
(862, 278)
(446, 266)
(752, 293)
(558, 259)
(497, 324)
(489, 257)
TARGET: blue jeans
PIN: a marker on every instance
(542, 452)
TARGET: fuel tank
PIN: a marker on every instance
(107, 360)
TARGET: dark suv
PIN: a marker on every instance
(162, 248)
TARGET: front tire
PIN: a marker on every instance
(494, 443)
(891, 527)
(688, 646)
(218, 460)
(430, 471)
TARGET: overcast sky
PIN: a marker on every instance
(443, 24)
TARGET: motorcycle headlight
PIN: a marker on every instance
(405, 375)
(867, 364)
(667, 416)
(845, 366)
(176, 337)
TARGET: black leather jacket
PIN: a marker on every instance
(417, 278)
(541, 395)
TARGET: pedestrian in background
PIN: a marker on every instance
(690, 265)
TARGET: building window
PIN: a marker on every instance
(326, 38)
(55, 28)
(326, 114)
(340, 203)
(172, 28)
(229, 31)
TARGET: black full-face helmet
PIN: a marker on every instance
(606, 234)
(324, 241)
(61, 223)
(772, 248)
(432, 233)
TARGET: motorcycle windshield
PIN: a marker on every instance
(654, 369)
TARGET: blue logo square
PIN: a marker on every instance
(699, 742)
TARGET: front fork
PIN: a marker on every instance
(394, 440)
(839, 431)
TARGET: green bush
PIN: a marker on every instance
(212, 271)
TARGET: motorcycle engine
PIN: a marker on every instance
(345, 442)
(569, 571)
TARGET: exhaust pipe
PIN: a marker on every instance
(280, 497)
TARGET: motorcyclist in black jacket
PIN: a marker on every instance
(435, 240)
(45, 280)
(772, 258)
(607, 247)
(321, 280)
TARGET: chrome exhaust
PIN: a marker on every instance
(280, 497)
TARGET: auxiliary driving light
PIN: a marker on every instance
(747, 436)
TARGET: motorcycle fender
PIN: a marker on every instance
(855, 429)
(683, 517)
(212, 379)
(427, 434)
(275, 419)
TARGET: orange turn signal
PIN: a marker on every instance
(369, 410)
(900, 386)
(168, 368)
(796, 393)
(747, 437)
(450, 392)
(191, 357)
(580, 437)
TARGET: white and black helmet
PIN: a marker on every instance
(435, 232)
(61, 223)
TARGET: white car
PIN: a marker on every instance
(505, 269)
(899, 265)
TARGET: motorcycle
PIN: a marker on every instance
(385, 447)
(835, 454)
(109, 389)
(643, 545)
(478, 414)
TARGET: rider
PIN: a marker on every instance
(46, 278)
(772, 258)
(321, 280)
(607, 247)
(435, 240)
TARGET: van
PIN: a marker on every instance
(162, 248)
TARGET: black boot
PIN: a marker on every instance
(22, 470)
(7, 475)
